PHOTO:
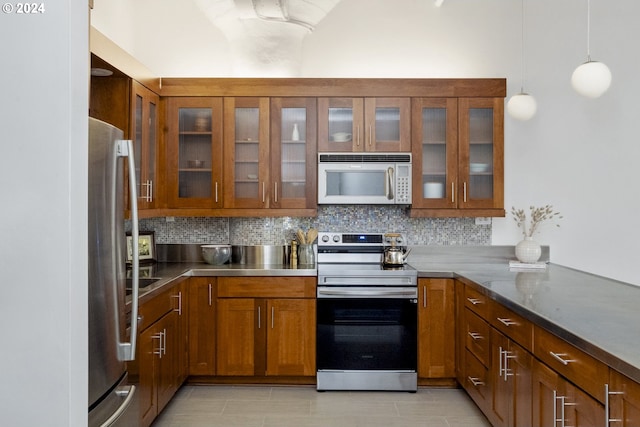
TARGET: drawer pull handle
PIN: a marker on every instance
(476, 336)
(559, 358)
(507, 322)
(476, 381)
(474, 301)
(179, 309)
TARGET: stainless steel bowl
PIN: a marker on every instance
(216, 254)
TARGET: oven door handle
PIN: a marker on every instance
(368, 292)
(366, 282)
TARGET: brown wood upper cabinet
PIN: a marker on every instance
(144, 133)
(194, 152)
(293, 153)
(246, 152)
(270, 146)
(364, 124)
(458, 157)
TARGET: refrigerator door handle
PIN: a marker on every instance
(127, 392)
(127, 350)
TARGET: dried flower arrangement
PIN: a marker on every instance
(538, 216)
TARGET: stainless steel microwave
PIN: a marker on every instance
(364, 178)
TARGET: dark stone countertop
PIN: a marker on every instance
(598, 315)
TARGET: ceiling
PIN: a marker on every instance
(266, 34)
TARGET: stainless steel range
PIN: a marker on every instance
(367, 315)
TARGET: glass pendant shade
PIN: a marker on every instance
(591, 79)
(522, 106)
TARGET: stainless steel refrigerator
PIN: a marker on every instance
(112, 342)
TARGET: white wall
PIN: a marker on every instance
(577, 154)
(43, 184)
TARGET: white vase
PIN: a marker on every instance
(528, 250)
(295, 135)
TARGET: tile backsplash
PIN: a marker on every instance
(351, 218)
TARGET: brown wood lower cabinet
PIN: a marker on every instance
(269, 334)
(202, 326)
(511, 382)
(532, 377)
(557, 402)
(160, 361)
(624, 401)
(436, 328)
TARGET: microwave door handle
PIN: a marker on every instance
(389, 183)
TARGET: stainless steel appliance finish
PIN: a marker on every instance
(364, 178)
(367, 316)
(395, 252)
(111, 397)
(260, 254)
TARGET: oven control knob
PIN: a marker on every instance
(325, 238)
(336, 238)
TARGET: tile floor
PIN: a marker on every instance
(255, 406)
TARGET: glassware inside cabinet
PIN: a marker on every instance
(247, 153)
(294, 149)
(194, 153)
(481, 153)
(340, 124)
(434, 152)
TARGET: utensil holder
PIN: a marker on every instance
(306, 255)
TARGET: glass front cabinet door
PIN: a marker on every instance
(144, 120)
(364, 124)
(246, 134)
(481, 157)
(194, 152)
(435, 152)
(293, 149)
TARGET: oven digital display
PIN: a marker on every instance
(361, 238)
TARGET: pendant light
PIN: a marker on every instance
(592, 78)
(522, 106)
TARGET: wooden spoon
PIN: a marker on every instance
(301, 238)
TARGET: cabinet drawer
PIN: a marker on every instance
(477, 302)
(477, 336)
(476, 381)
(578, 367)
(512, 325)
(266, 287)
(157, 307)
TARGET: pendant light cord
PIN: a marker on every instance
(588, 30)
(522, 48)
